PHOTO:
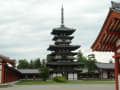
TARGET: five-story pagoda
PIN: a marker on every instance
(63, 63)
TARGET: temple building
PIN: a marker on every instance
(7, 71)
(63, 63)
(108, 39)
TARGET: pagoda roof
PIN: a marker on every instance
(57, 43)
(65, 47)
(65, 59)
(63, 37)
(65, 70)
(64, 64)
(68, 53)
(110, 32)
(63, 29)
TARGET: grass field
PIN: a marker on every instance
(66, 83)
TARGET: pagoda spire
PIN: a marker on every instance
(62, 16)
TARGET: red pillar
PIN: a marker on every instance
(116, 72)
(2, 81)
(101, 74)
(26, 77)
(34, 77)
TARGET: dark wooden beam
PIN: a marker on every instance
(113, 33)
(110, 46)
(117, 22)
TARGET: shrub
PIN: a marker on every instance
(60, 79)
(44, 73)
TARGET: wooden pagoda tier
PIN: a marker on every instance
(65, 63)
(65, 66)
(63, 53)
(62, 37)
(63, 47)
(108, 39)
(62, 30)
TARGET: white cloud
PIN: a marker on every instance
(25, 25)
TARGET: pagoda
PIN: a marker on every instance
(63, 63)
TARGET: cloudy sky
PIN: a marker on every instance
(25, 25)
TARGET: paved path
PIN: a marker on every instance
(61, 87)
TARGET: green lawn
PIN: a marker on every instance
(67, 83)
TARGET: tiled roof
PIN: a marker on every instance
(29, 71)
(106, 65)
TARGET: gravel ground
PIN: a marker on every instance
(61, 87)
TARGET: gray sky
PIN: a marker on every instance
(25, 25)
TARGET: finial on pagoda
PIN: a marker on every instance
(62, 16)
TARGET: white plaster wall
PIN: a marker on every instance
(54, 75)
(70, 76)
(59, 74)
(75, 76)
(104, 75)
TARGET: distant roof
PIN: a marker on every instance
(29, 71)
(106, 65)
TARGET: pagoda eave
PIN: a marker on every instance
(64, 53)
(57, 43)
(59, 31)
(63, 47)
(63, 37)
(65, 64)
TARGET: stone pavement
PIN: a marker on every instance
(62, 87)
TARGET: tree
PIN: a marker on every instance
(79, 55)
(43, 63)
(37, 63)
(23, 64)
(44, 73)
(31, 64)
(91, 64)
(81, 58)
(49, 58)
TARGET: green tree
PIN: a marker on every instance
(37, 63)
(31, 64)
(79, 55)
(91, 64)
(23, 64)
(49, 58)
(81, 58)
(44, 73)
(43, 63)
